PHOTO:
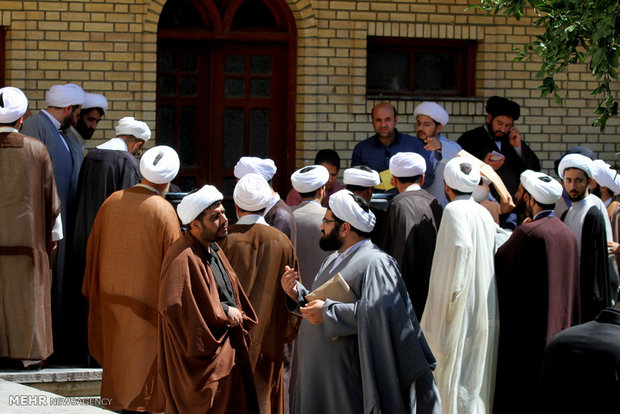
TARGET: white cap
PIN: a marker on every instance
(195, 203)
(432, 110)
(346, 209)
(310, 178)
(542, 187)
(407, 164)
(457, 179)
(252, 192)
(265, 167)
(131, 126)
(361, 177)
(13, 104)
(61, 96)
(576, 161)
(606, 176)
(95, 100)
(160, 164)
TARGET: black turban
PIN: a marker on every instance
(496, 105)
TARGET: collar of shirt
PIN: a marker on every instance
(209, 253)
(148, 187)
(348, 252)
(7, 129)
(608, 201)
(115, 144)
(274, 200)
(412, 187)
(463, 197)
(378, 142)
(543, 214)
(55, 122)
(252, 219)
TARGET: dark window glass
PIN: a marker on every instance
(187, 86)
(420, 67)
(234, 88)
(187, 135)
(166, 86)
(233, 136)
(234, 64)
(259, 133)
(188, 62)
(179, 13)
(166, 62)
(253, 14)
(260, 65)
(165, 125)
(260, 88)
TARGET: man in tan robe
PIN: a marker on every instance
(29, 210)
(132, 232)
(259, 254)
(204, 317)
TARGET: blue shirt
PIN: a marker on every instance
(372, 153)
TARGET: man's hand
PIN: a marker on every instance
(235, 317)
(613, 247)
(313, 312)
(432, 144)
(496, 165)
(289, 282)
(54, 246)
(514, 137)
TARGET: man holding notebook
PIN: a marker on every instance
(365, 352)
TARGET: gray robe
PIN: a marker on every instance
(380, 361)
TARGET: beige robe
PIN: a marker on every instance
(29, 207)
(258, 254)
(132, 232)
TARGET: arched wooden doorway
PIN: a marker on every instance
(226, 87)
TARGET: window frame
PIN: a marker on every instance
(466, 50)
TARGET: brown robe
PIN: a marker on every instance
(259, 253)
(29, 207)
(132, 232)
(203, 363)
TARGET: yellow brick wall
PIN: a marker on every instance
(109, 46)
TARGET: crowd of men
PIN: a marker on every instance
(465, 293)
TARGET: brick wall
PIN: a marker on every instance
(109, 46)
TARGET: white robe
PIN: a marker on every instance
(461, 317)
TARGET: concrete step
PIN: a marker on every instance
(68, 382)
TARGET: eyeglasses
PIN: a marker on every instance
(329, 221)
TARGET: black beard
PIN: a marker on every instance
(492, 133)
(330, 241)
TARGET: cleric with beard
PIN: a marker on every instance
(500, 144)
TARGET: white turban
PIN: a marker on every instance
(432, 110)
(195, 203)
(576, 161)
(459, 180)
(95, 100)
(252, 192)
(13, 104)
(131, 126)
(265, 167)
(361, 177)
(310, 178)
(407, 164)
(606, 176)
(160, 164)
(543, 188)
(346, 209)
(61, 96)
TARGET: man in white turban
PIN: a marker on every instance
(110, 167)
(410, 228)
(277, 213)
(608, 180)
(310, 183)
(538, 262)
(430, 119)
(461, 316)
(204, 313)
(31, 225)
(49, 126)
(361, 180)
(92, 111)
(259, 254)
(369, 348)
(132, 232)
(587, 222)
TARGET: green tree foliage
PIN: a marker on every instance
(575, 31)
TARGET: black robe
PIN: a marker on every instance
(581, 369)
(479, 143)
(281, 217)
(595, 282)
(537, 276)
(102, 173)
(409, 236)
